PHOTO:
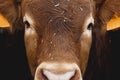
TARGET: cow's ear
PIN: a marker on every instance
(108, 9)
(10, 9)
(105, 10)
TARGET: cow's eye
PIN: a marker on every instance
(90, 26)
(27, 24)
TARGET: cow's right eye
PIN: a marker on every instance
(27, 24)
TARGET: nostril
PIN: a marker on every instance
(40, 75)
(76, 76)
(44, 77)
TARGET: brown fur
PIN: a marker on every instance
(67, 33)
(55, 39)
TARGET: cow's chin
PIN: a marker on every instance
(58, 71)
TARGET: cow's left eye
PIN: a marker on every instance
(90, 26)
(27, 24)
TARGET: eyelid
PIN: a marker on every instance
(28, 18)
(89, 20)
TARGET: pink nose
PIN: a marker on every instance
(55, 71)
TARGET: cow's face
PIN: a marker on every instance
(58, 37)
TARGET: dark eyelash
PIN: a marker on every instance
(27, 24)
(90, 26)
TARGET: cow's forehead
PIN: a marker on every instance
(70, 6)
(75, 11)
(54, 1)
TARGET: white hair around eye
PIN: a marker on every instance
(28, 23)
(88, 25)
(28, 18)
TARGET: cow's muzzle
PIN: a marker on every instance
(58, 71)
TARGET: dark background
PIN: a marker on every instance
(114, 36)
(13, 61)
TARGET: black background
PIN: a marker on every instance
(13, 61)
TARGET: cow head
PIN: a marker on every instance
(60, 35)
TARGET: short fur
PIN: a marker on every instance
(103, 11)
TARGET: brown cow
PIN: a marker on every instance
(65, 39)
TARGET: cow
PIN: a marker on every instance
(64, 39)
